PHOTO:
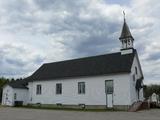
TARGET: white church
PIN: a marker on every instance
(105, 81)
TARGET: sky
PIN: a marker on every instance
(34, 32)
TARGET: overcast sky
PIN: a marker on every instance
(33, 32)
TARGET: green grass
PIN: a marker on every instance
(54, 107)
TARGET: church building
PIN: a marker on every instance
(112, 80)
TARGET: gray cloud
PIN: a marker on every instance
(14, 60)
(53, 30)
(154, 56)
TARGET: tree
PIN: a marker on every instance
(150, 89)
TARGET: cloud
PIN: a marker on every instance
(16, 60)
(52, 30)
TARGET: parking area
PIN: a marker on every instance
(7, 113)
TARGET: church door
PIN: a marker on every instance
(109, 93)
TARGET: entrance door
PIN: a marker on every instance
(109, 93)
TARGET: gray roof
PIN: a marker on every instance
(125, 32)
(89, 66)
(18, 84)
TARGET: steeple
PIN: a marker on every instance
(125, 32)
(126, 37)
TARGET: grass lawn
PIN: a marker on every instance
(54, 107)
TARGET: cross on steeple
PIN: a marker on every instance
(124, 15)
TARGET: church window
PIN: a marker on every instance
(81, 87)
(39, 90)
(59, 88)
(136, 70)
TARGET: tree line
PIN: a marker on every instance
(150, 89)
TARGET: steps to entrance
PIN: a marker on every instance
(138, 106)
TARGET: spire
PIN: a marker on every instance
(125, 30)
(126, 38)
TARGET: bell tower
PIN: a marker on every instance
(126, 39)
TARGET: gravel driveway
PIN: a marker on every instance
(7, 113)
